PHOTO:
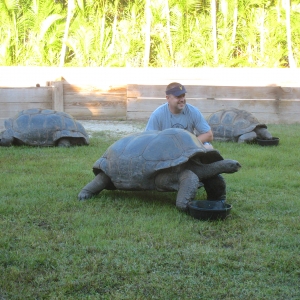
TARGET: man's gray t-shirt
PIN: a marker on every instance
(189, 119)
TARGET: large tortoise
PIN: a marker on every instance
(43, 127)
(166, 161)
(237, 126)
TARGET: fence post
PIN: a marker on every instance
(57, 95)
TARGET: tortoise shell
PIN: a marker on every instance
(133, 161)
(229, 124)
(44, 127)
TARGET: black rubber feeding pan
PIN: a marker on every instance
(273, 142)
(209, 210)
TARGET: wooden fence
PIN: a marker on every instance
(273, 96)
(270, 104)
(82, 102)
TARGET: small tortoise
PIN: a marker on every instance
(237, 126)
(166, 161)
(43, 127)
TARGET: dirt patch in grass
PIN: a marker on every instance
(118, 128)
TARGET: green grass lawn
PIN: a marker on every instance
(137, 245)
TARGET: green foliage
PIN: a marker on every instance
(112, 33)
(137, 245)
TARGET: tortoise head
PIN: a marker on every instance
(5, 139)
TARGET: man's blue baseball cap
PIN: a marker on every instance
(176, 91)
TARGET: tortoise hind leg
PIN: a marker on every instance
(64, 142)
(94, 187)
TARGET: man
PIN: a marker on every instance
(176, 113)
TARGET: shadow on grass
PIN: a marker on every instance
(143, 198)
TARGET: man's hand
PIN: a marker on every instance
(208, 145)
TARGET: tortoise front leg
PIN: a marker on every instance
(247, 137)
(94, 187)
(188, 186)
(185, 182)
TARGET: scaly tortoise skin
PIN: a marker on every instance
(167, 161)
(237, 126)
(43, 128)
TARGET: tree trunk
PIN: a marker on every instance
(214, 29)
(292, 63)
(71, 7)
(262, 32)
(114, 30)
(147, 33)
(102, 33)
(169, 31)
(235, 19)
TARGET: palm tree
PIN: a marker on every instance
(158, 33)
(9, 29)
